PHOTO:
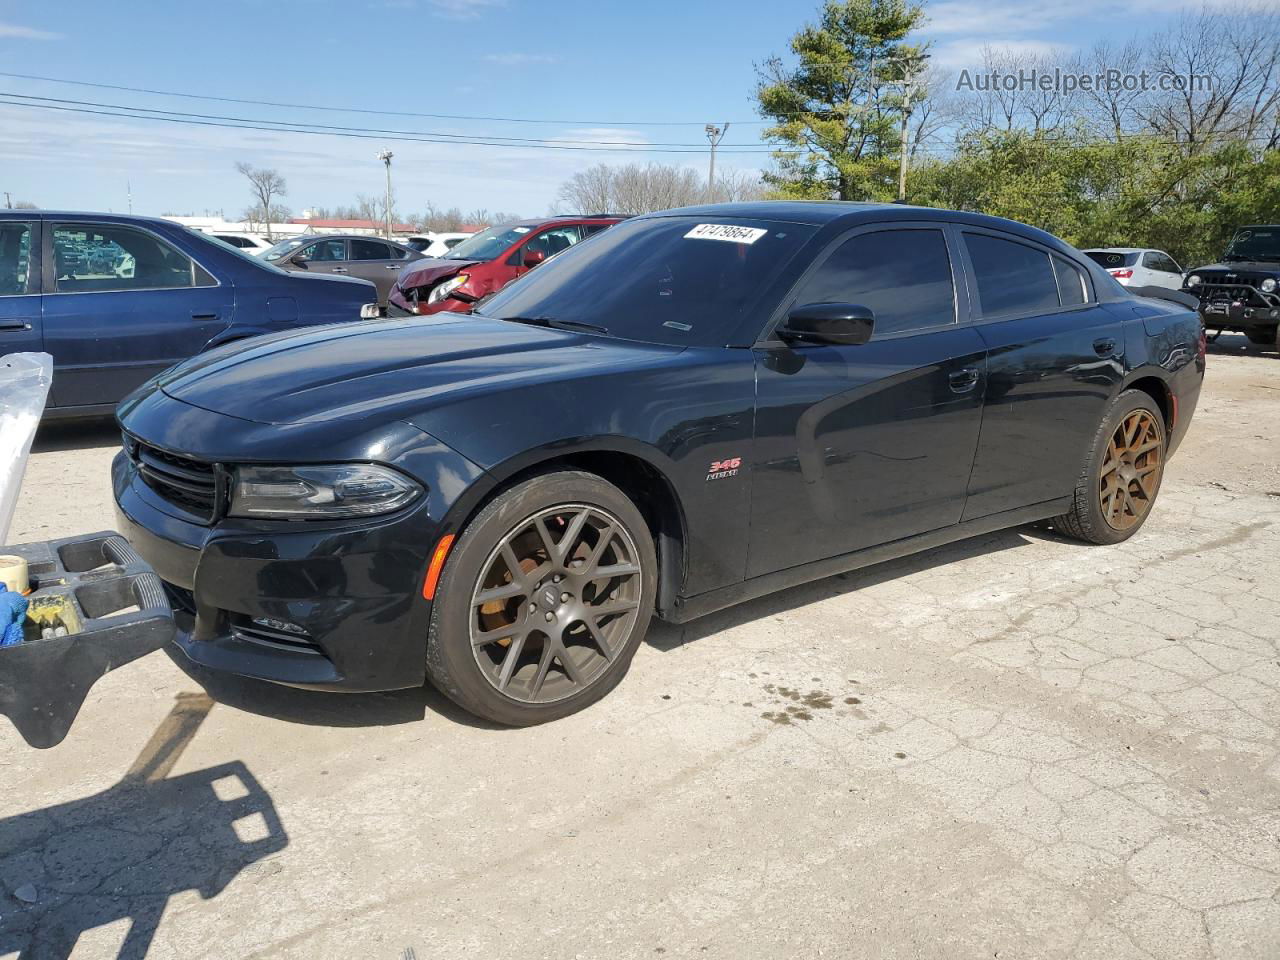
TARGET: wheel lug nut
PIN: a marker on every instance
(533, 608)
(557, 578)
(550, 616)
(564, 598)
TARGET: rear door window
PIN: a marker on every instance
(92, 257)
(1013, 278)
(369, 250)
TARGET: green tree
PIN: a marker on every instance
(837, 112)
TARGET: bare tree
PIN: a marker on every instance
(264, 184)
(24, 205)
(634, 188)
(1241, 65)
(1110, 109)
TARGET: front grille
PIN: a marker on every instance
(192, 485)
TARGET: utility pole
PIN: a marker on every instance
(909, 73)
(714, 136)
(128, 189)
(8, 201)
(385, 157)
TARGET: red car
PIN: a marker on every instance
(485, 263)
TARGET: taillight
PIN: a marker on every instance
(1121, 274)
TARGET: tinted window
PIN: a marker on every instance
(88, 257)
(1161, 262)
(369, 250)
(326, 251)
(904, 276)
(15, 258)
(648, 280)
(1071, 288)
(1012, 277)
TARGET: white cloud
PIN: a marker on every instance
(518, 59)
(17, 32)
(962, 54)
(464, 9)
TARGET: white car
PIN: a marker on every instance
(250, 243)
(1138, 266)
(434, 244)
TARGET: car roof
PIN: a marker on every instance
(81, 215)
(849, 213)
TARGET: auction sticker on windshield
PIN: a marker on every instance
(724, 231)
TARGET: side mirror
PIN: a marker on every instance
(300, 259)
(843, 324)
(534, 257)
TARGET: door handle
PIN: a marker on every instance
(1104, 347)
(962, 381)
(15, 324)
(392, 266)
(339, 269)
(204, 316)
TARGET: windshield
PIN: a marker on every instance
(285, 247)
(1110, 259)
(673, 280)
(1255, 243)
(225, 247)
(488, 244)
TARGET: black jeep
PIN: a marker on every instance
(1243, 291)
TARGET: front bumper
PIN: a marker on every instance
(351, 592)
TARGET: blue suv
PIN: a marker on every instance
(117, 299)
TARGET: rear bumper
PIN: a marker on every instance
(351, 594)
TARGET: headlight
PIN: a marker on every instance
(442, 290)
(1193, 280)
(319, 493)
(1267, 286)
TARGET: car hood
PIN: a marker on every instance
(430, 270)
(1241, 266)
(390, 368)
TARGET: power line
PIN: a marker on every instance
(385, 113)
(261, 125)
(290, 124)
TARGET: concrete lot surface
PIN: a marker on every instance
(1014, 747)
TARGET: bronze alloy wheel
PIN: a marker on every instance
(555, 602)
(1131, 469)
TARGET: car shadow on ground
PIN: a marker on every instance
(57, 436)
(1236, 345)
(118, 856)
(667, 636)
(321, 708)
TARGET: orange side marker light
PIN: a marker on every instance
(437, 565)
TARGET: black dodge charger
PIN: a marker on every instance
(693, 409)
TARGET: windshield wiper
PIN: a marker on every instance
(557, 324)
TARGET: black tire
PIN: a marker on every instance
(1263, 336)
(454, 665)
(1086, 520)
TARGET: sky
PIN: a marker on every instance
(586, 70)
